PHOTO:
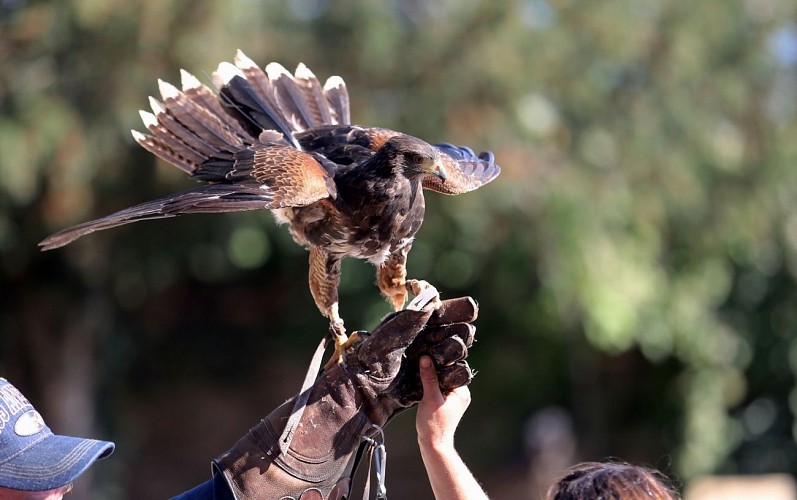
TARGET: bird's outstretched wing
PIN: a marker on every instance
(241, 141)
(465, 171)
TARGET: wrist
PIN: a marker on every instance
(436, 444)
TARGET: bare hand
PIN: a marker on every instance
(438, 414)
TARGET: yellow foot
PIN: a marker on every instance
(342, 342)
(424, 294)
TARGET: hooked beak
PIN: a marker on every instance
(439, 170)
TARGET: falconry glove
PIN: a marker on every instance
(349, 404)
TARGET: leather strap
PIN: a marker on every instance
(377, 455)
(300, 403)
(368, 456)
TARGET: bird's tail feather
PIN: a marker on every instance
(213, 198)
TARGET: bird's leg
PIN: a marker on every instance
(338, 332)
(324, 280)
(424, 293)
(391, 277)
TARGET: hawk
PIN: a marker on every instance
(280, 141)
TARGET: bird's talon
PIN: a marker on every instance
(342, 343)
(354, 338)
(337, 329)
(424, 293)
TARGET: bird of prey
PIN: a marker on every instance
(280, 141)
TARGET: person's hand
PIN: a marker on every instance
(351, 402)
(388, 360)
(438, 414)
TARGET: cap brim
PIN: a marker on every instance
(52, 462)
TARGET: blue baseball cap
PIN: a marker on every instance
(32, 458)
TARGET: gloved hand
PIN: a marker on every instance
(349, 402)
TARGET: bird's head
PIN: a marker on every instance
(414, 157)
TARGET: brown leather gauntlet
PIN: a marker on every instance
(377, 379)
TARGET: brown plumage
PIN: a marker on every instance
(284, 142)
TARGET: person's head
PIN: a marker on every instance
(36, 464)
(54, 494)
(611, 481)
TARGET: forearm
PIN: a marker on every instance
(449, 476)
(319, 457)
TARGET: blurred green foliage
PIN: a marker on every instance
(635, 262)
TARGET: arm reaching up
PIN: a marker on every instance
(436, 421)
(346, 408)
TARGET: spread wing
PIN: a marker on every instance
(241, 141)
(465, 171)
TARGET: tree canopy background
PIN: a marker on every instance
(635, 263)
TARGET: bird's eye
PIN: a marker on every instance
(416, 159)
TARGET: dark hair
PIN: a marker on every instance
(611, 481)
